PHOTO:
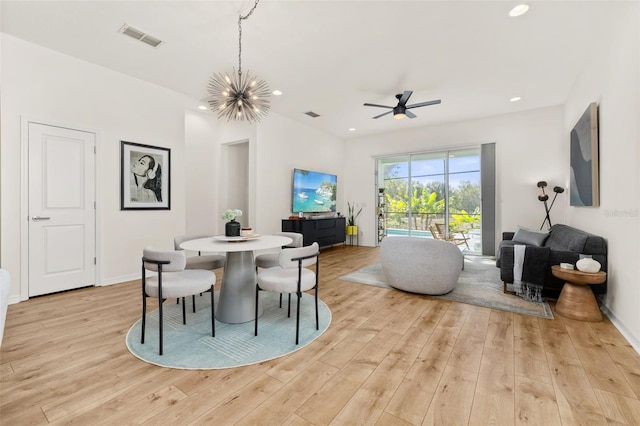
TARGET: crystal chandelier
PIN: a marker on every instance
(237, 96)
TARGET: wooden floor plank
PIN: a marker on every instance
(494, 399)
(618, 409)
(452, 401)
(412, 398)
(389, 420)
(234, 408)
(368, 403)
(500, 331)
(628, 363)
(420, 331)
(529, 353)
(467, 352)
(535, 403)
(327, 402)
(577, 402)
(291, 396)
(389, 358)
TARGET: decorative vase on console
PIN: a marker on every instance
(232, 227)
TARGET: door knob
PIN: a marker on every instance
(38, 218)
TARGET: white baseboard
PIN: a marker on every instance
(120, 279)
(634, 341)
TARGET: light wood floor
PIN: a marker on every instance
(388, 358)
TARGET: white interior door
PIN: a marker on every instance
(61, 209)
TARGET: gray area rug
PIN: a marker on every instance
(192, 347)
(479, 284)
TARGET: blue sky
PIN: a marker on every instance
(465, 167)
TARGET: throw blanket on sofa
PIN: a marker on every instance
(529, 268)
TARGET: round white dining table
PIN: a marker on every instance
(236, 303)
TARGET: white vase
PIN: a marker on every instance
(588, 265)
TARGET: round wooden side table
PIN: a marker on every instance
(576, 300)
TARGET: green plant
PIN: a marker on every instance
(231, 214)
(351, 216)
(471, 219)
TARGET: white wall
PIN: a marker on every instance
(237, 159)
(283, 145)
(201, 154)
(613, 80)
(41, 84)
(529, 147)
(277, 145)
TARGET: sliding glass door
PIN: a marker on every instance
(433, 195)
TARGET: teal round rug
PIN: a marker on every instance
(191, 346)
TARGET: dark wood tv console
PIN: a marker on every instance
(326, 232)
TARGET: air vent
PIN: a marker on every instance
(140, 36)
(312, 114)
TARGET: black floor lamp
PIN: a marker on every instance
(544, 198)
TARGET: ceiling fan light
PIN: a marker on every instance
(519, 10)
(399, 112)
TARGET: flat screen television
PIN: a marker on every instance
(313, 192)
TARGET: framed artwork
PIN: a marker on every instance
(145, 177)
(584, 184)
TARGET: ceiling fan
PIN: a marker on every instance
(402, 109)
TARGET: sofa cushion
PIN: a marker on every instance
(530, 237)
(566, 238)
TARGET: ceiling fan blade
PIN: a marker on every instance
(409, 114)
(405, 97)
(376, 105)
(384, 113)
(421, 104)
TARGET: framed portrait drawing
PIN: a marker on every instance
(145, 177)
(584, 168)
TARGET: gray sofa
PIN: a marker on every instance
(564, 244)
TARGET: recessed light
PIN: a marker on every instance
(202, 107)
(276, 93)
(515, 99)
(352, 129)
(519, 10)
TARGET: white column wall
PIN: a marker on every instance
(202, 153)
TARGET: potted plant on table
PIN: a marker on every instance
(232, 228)
(352, 216)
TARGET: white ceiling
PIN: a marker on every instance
(332, 56)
